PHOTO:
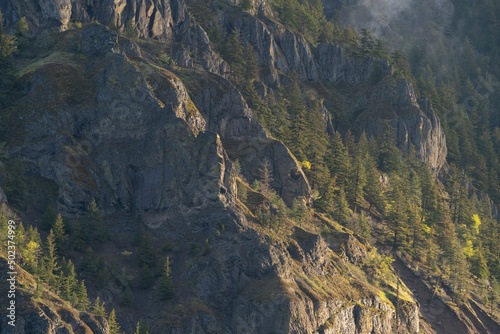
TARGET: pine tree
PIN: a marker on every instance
(33, 249)
(338, 160)
(114, 327)
(282, 214)
(22, 27)
(20, 237)
(165, 285)
(251, 65)
(326, 201)
(69, 282)
(396, 217)
(50, 265)
(128, 297)
(98, 308)
(234, 53)
(81, 295)
(49, 218)
(147, 256)
(92, 229)
(389, 156)
(373, 188)
(479, 267)
(59, 233)
(367, 43)
(357, 177)
(266, 178)
(138, 328)
(300, 212)
(341, 210)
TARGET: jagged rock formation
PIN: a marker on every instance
(244, 138)
(160, 19)
(413, 119)
(124, 149)
(45, 314)
(109, 123)
(281, 51)
(278, 50)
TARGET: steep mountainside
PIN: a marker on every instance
(184, 208)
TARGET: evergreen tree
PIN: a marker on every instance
(357, 177)
(373, 188)
(338, 160)
(479, 267)
(20, 237)
(367, 43)
(22, 27)
(389, 156)
(114, 327)
(325, 202)
(98, 308)
(341, 210)
(81, 295)
(50, 265)
(92, 229)
(69, 282)
(282, 214)
(165, 285)
(266, 178)
(396, 217)
(147, 256)
(250, 61)
(234, 53)
(128, 297)
(59, 233)
(49, 218)
(300, 212)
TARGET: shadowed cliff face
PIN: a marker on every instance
(417, 124)
(413, 119)
(168, 21)
(101, 119)
(278, 49)
(123, 132)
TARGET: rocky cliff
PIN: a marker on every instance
(278, 50)
(107, 116)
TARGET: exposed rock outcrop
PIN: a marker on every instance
(414, 121)
(164, 20)
(125, 136)
(245, 139)
(281, 51)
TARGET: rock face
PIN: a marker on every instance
(413, 119)
(100, 119)
(159, 19)
(281, 51)
(52, 317)
(129, 137)
(245, 139)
